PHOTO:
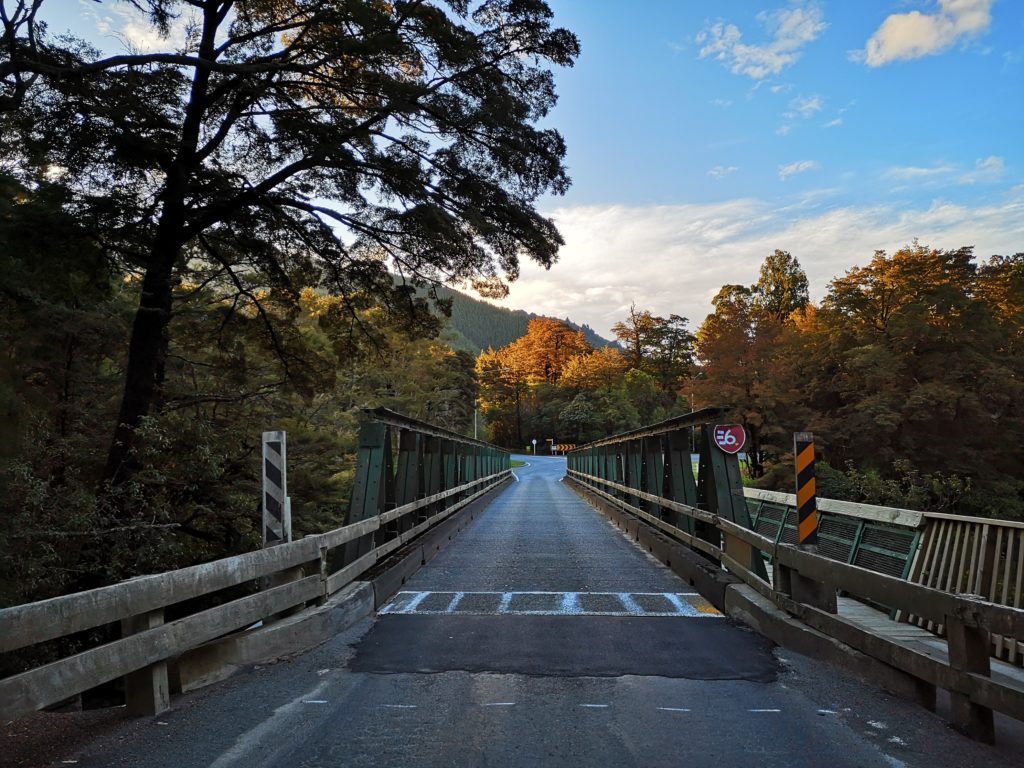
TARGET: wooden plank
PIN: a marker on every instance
(904, 517)
(24, 625)
(969, 652)
(1003, 695)
(676, 533)
(348, 574)
(49, 684)
(345, 534)
(928, 602)
(676, 506)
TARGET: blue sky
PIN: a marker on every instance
(703, 135)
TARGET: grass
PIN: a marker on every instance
(518, 463)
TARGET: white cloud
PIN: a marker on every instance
(123, 26)
(721, 170)
(798, 167)
(721, 102)
(834, 123)
(807, 105)
(790, 29)
(985, 169)
(916, 173)
(913, 35)
(783, 130)
(675, 258)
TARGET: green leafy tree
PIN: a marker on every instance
(290, 144)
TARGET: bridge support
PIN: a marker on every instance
(146, 691)
(969, 651)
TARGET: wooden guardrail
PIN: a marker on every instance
(287, 576)
(634, 471)
(954, 553)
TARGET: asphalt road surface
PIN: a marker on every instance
(540, 637)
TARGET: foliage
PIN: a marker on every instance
(910, 372)
(551, 384)
(291, 145)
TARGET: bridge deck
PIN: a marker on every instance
(541, 636)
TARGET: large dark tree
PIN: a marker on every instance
(292, 143)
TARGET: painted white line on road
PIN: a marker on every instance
(631, 605)
(570, 603)
(454, 602)
(595, 706)
(399, 706)
(315, 701)
(532, 603)
(764, 710)
(501, 704)
(674, 709)
(506, 601)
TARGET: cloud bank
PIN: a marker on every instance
(675, 258)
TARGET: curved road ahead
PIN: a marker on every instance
(540, 637)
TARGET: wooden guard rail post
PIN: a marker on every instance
(702, 515)
(439, 473)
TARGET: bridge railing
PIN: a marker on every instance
(954, 553)
(646, 474)
(439, 472)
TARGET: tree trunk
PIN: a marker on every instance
(147, 354)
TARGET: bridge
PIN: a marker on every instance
(612, 607)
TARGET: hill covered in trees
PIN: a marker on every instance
(478, 324)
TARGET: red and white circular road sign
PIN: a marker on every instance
(730, 437)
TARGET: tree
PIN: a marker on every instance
(293, 143)
(739, 346)
(782, 287)
(662, 347)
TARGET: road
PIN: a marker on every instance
(540, 637)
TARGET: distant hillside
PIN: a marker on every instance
(481, 325)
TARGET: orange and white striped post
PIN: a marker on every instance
(806, 489)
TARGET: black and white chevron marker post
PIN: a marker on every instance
(277, 517)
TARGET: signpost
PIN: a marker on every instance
(535, 446)
(277, 513)
(806, 490)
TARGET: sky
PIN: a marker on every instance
(703, 135)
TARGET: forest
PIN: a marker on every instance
(910, 372)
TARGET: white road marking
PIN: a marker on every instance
(674, 709)
(631, 605)
(595, 706)
(674, 604)
(764, 710)
(454, 602)
(399, 706)
(315, 701)
(501, 704)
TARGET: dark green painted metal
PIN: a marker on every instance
(430, 460)
(653, 472)
(409, 481)
(680, 484)
(374, 484)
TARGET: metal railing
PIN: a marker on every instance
(438, 473)
(643, 473)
